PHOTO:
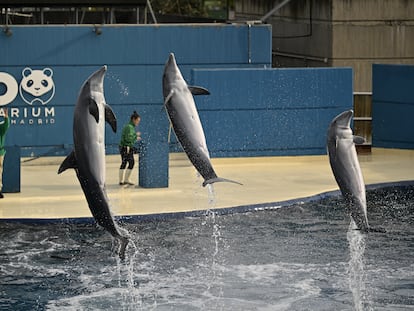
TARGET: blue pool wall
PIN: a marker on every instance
(260, 207)
(253, 110)
(393, 106)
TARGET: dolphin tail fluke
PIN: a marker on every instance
(219, 179)
(124, 242)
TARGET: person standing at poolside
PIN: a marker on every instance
(4, 126)
(126, 148)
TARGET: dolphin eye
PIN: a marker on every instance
(29, 83)
(45, 83)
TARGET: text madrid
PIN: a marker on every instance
(32, 115)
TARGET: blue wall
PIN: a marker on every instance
(256, 112)
(135, 56)
(393, 106)
(252, 110)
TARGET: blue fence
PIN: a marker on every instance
(393, 106)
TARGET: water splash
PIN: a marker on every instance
(214, 220)
(356, 269)
(123, 88)
(216, 226)
(212, 202)
(214, 260)
(131, 298)
(215, 284)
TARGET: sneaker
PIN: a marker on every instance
(1, 195)
(121, 183)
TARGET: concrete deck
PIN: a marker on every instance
(46, 195)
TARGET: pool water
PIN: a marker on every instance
(298, 257)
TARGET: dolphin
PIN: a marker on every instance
(88, 155)
(345, 167)
(182, 112)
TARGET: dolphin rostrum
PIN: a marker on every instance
(184, 118)
(345, 167)
(88, 155)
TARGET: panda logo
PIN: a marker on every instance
(37, 86)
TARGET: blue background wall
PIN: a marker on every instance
(135, 56)
(257, 112)
(252, 110)
(393, 106)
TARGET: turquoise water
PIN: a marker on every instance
(298, 257)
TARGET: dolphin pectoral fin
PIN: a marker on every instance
(359, 140)
(93, 109)
(219, 179)
(198, 90)
(110, 117)
(69, 162)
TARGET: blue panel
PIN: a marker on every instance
(137, 44)
(253, 112)
(274, 88)
(135, 56)
(261, 45)
(393, 106)
(153, 165)
(393, 83)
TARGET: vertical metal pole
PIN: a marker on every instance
(42, 17)
(137, 14)
(7, 16)
(82, 16)
(110, 19)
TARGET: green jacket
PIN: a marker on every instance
(129, 136)
(3, 130)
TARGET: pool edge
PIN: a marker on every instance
(202, 212)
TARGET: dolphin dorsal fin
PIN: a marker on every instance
(358, 140)
(69, 162)
(198, 90)
(93, 109)
(110, 117)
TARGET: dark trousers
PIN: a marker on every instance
(127, 156)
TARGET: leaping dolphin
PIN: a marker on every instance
(184, 118)
(88, 156)
(345, 167)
